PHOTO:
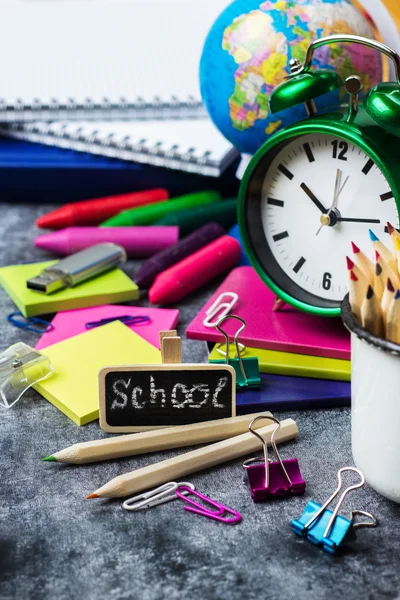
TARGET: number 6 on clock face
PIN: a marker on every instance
(305, 201)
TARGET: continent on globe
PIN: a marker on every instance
(247, 52)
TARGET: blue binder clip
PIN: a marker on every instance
(327, 529)
(247, 370)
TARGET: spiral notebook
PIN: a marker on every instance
(95, 59)
(192, 145)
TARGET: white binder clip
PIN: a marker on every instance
(221, 307)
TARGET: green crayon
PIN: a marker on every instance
(146, 215)
(224, 213)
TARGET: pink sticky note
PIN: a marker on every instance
(72, 322)
(288, 330)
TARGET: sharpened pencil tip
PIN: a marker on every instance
(370, 292)
(350, 264)
(49, 459)
(378, 270)
(397, 295)
(390, 227)
(92, 496)
(377, 255)
(390, 285)
(356, 249)
(373, 236)
(353, 277)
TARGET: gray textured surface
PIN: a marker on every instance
(56, 544)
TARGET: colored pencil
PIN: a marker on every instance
(364, 263)
(387, 271)
(357, 290)
(155, 441)
(371, 313)
(192, 462)
(393, 320)
(383, 250)
(397, 246)
(351, 266)
(394, 234)
(387, 298)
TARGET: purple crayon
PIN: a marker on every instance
(137, 241)
(187, 246)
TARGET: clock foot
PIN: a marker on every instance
(279, 304)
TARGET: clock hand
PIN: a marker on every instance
(326, 219)
(309, 193)
(345, 220)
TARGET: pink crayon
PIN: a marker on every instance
(194, 271)
(137, 241)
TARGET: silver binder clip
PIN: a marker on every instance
(220, 308)
(160, 495)
(20, 368)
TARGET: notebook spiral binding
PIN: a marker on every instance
(104, 109)
(113, 146)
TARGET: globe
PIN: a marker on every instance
(247, 52)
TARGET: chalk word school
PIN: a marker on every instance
(163, 395)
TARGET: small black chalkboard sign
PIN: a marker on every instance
(145, 397)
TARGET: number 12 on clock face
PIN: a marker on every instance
(307, 200)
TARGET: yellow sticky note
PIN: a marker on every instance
(73, 387)
(109, 288)
(299, 365)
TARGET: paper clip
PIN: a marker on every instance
(327, 529)
(20, 368)
(199, 509)
(126, 319)
(18, 320)
(247, 371)
(281, 478)
(160, 495)
(221, 306)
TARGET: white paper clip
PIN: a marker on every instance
(160, 495)
(220, 308)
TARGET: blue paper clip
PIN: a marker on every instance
(327, 529)
(18, 320)
(126, 319)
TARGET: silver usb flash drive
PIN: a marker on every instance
(78, 267)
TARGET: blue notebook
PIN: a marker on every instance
(279, 392)
(37, 173)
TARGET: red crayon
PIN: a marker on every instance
(195, 270)
(94, 212)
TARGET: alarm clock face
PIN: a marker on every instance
(306, 201)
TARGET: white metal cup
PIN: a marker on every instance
(375, 406)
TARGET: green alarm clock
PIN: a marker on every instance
(322, 183)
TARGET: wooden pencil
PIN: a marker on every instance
(357, 291)
(387, 298)
(397, 246)
(393, 320)
(371, 314)
(155, 441)
(364, 263)
(351, 266)
(383, 251)
(393, 235)
(387, 271)
(192, 462)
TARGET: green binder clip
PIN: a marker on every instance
(247, 371)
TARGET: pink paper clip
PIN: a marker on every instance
(195, 507)
(280, 478)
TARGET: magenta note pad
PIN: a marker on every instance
(288, 330)
(69, 323)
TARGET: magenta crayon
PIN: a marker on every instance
(174, 254)
(194, 271)
(137, 241)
